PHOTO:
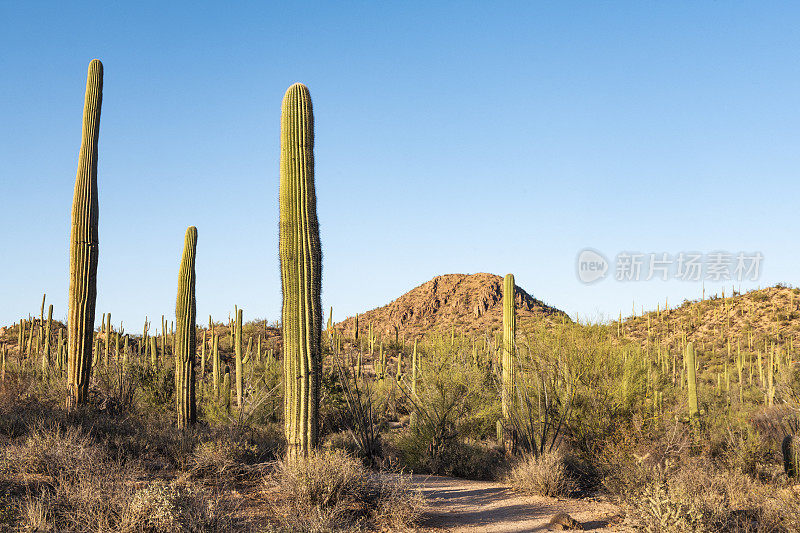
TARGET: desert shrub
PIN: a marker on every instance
(444, 438)
(357, 413)
(657, 509)
(544, 474)
(332, 491)
(165, 507)
(695, 495)
(323, 480)
(217, 457)
(464, 458)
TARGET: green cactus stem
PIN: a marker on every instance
(301, 273)
(153, 353)
(509, 332)
(84, 246)
(239, 370)
(107, 340)
(186, 317)
(790, 447)
(47, 331)
(226, 390)
(691, 380)
(203, 357)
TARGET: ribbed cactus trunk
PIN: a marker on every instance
(790, 447)
(691, 380)
(47, 332)
(186, 317)
(509, 332)
(238, 356)
(301, 273)
(84, 246)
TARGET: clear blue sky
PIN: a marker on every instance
(450, 137)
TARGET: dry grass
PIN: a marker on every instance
(696, 496)
(333, 491)
(542, 475)
(63, 480)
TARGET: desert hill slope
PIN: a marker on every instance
(469, 303)
(771, 314)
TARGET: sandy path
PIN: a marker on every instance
(462, 505)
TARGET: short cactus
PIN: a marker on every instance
(84, 246)
(186, 317)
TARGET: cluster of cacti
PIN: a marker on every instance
(301, 272)
(644, 372)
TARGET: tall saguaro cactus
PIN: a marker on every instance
(691, 380)
(186, 317)
(83, 250)
(301, 272)
(238, 355)
(509, 332)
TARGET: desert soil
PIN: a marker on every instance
(459, 505)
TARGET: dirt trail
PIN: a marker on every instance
(457, 505)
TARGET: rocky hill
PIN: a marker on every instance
(470, 303)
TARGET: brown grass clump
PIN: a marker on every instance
(697, 497)
(333, 491)
(542, 475)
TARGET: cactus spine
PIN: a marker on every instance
(186, 317)
(84, 246)
(691, 378)
(509, 331)
(301, 272)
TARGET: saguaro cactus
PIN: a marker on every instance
(238, 353)
(186, 317)
(509, 331)
(301, 272)
(46, 355)
(691, 379)
(790, 447)
(84, 246)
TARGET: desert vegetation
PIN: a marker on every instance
(686, 416)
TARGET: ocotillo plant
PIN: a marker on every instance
(239, 369)
(301, 272)
(186, 317)
(84, 246)
(691, 378)
(509, 332)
